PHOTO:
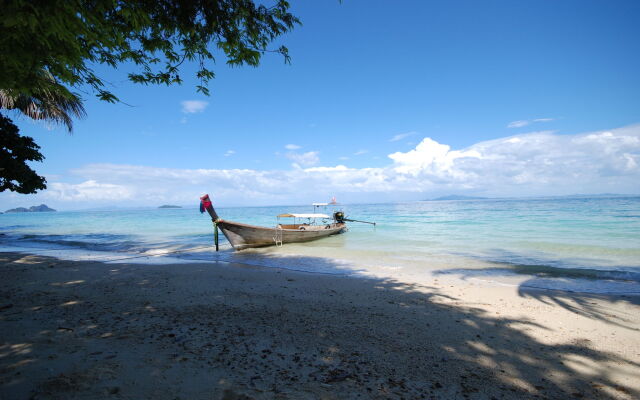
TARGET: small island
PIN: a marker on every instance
(40, 208)
(169, 206)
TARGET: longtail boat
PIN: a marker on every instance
(242, 236)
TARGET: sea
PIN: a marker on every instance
(589, 245)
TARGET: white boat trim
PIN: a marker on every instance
(288, 215)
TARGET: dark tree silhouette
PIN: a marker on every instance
(15, 151)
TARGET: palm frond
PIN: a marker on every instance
(49, 101)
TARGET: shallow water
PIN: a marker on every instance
(586, 244)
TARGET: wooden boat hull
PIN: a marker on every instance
(243, 236)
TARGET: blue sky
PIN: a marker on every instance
(463, 74)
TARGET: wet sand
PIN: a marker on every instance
(87, 330)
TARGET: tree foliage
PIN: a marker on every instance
(68, 38)
(15, 151)
(48, 48)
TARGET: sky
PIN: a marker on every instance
(383, 101)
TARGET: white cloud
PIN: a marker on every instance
(229, 153)
(522, 123)
(531, 164)
(518, 124)
(89, 190)
(292, 147)
(327, 169)
(193, 106)
(360, 152)
(537, 163)
(304, 159)
(430, 157)
(401, 136)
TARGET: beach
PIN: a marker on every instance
(397, 200)
(219, 330)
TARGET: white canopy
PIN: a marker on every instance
(304, 215)
(319, 204)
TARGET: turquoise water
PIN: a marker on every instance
(587, 244)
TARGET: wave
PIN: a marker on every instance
(544, 271)
(621, 273)
(624, 274)
(98, 243)
(95, 242)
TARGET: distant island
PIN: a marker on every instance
(40, 208)
(457, 197)
(169, 206)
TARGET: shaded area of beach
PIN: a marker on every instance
(86, 330)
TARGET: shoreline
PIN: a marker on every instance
(508, 278)
(85, 329)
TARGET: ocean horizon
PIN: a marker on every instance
(195, 205)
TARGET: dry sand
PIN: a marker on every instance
(87, 330)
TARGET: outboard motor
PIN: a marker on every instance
(340, 218)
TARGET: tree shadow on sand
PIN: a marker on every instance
(87, 330)
(569, 288)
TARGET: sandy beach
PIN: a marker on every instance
(87, 330)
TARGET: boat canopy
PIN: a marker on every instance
(304, 215)
(319, 204)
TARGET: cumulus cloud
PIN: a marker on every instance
(432, 159)
(89, 190)
(522, 123)
(193, 106)
(304, 159)
(401, 136)
(292, 147)
(531, 164)
(537, 163)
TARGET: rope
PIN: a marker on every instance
(278, 236)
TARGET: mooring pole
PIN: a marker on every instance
(215, 234)
(205, 204)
